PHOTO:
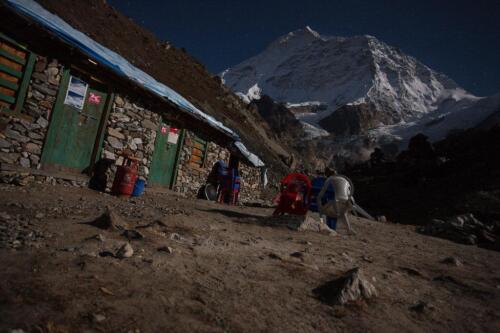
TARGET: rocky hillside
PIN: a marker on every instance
(293, 133)
(375, 88)
(280, 119)
(353, 119)
(458, 175)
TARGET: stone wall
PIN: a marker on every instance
(251, 188)
(133, 128)
(129, 127)
(22, 139)
(191, 178)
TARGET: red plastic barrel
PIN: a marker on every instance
(126, 175)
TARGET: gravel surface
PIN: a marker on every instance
(164, 263)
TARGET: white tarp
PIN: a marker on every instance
(254, 159)
(118, 64)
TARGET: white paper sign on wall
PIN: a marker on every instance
(173, 135)
(77, 90)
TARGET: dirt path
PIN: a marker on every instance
(229, 271)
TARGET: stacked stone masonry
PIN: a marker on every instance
(191, 178)
(22, 139)
(130, 128)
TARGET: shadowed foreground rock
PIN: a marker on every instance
(126, 251)
(309, 222)
(351, 286)
(312, 222)
(464, 229)
(108, 220)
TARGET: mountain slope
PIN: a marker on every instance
(356, 75)
(305, 66)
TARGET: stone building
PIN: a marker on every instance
(65, 110)
(191, 177)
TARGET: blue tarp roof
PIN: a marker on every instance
(121, 66)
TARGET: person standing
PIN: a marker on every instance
(342, 204)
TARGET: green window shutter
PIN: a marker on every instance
(199, 148)
(16, 67)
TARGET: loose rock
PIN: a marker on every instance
(97, 318)
(175, 236)
(108, 220)
(421, 307)
(98, 237)
(166, 249)
(4, 216)
(349, 287)
(126, 251)
(453, 261)
(132, 234)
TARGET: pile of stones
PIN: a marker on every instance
(465, 229)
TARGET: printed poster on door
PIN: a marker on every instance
(77, 90)
(173, 135)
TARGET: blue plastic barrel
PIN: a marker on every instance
(138, 187)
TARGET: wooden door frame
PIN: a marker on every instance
(154, 156)
(98, 144)
(177, 158)
(58, 109)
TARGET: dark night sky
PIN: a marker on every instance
(458, 38)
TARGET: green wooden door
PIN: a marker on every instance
(73, 131)
(165, 156)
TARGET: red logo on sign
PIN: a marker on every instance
(163, 130)
(94, 99)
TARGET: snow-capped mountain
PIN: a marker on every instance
(402, 94)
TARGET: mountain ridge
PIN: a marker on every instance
(304, 67)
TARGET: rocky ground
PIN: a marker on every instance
(163, 263)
